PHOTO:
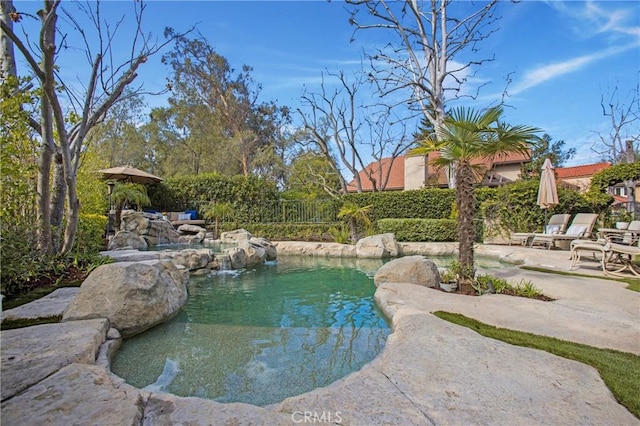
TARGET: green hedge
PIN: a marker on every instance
(418, 204)
(514, 206)
(418, 230)
(247, 194)
(286, 231)
(614, 175)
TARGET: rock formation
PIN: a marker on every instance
(410, 269)
(133, 296)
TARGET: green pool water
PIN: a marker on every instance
(259, 336)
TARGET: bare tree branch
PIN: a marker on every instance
(350, 133)
(624, 116)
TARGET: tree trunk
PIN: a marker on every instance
(58, 194)
(44, 179)
(7, 57)
(44, 208)
(466, 231)
(73, 213)
(353, 230)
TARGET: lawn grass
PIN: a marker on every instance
(619, 370)
(633, 284)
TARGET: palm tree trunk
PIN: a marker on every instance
(466, 232)
(353, 230)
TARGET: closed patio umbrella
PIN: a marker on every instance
(548, 191)
(129, 174)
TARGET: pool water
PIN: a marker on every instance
(261, 335)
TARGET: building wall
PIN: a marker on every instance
(415, 172)
(582, 183)
(510, 171)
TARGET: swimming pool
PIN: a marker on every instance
(261, 335)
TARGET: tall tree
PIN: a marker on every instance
(467, 135)
(118, 139)
(7, 57)
(310, 176)
(68, 113)
(546, 148)
(434, 52)
(350, 131)
(210, 100)
(621, 143)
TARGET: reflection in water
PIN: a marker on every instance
(262, 335)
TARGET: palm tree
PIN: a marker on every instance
(129, 193)
(217, 211)
(464, 136)
(355, 215)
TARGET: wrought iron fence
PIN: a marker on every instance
(298, 211)
(278, 211)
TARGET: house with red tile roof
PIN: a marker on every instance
(414, 172)
(580, 176)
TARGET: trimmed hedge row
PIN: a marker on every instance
(256, 204)
(414, 204)
(247, 194)
(286, 231)
(418, 230)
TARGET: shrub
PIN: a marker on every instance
(414, 204)
(286, 231)
(514, 206)
(89, 237)
(420, 229)
(340, 234)
(247, 194)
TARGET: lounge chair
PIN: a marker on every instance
(628, 236)
(556, 225)
(614, 258)
(580, 228)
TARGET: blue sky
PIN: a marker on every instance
(562, 56)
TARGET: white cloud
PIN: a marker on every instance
(592, 18)
(548, 72)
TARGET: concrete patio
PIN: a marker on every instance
(430, 372)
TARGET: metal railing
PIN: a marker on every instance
(297, 211)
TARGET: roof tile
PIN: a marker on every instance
(585, 170)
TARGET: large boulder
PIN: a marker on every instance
(237, 236)
(134, 296)
(192, 234)
(265, 244)
(125, 240)
(255, 255)
(410, 269)
(151, 227)
(191, 259)
(237, 257)
(377, 246)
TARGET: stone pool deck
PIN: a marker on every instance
(430, 372)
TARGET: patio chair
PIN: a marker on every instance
(580, 228)
(614, 258)
(556, 225)
(628, 236)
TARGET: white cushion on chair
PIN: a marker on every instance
(576, 230)
(552, 229)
